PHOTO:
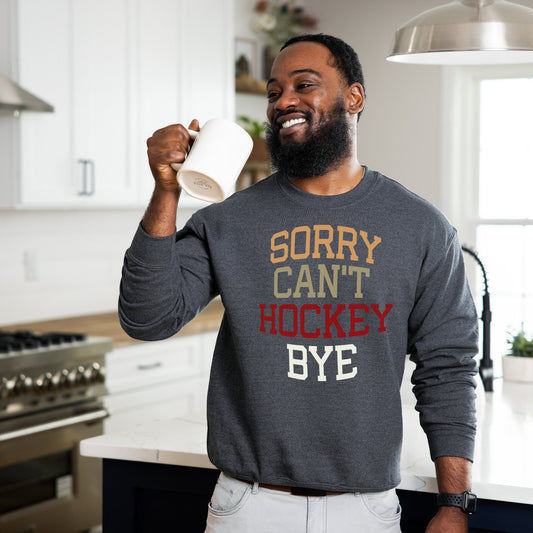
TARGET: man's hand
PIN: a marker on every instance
(448, 520)
(168, 145)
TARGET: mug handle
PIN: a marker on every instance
(193, 134)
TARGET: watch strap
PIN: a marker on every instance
(465, 501)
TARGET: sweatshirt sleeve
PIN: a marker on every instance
(443, 333)
(166, 282)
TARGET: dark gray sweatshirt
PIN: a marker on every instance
(324, 296)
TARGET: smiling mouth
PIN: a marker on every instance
(292, 122)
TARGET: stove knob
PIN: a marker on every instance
(6, 388)
(28, 383)
(101, 374)
(18, 387)
(55, 381)
(88, 375)
(64, 378)
(17, 383)
(97, 373)
(72, 377)
(47, 382)
(38, 384)
(81, 375)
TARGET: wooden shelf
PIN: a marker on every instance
(247, 84)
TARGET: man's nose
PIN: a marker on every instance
(286, 100)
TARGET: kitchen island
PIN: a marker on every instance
(159, 472)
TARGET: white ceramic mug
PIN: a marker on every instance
(215, 160)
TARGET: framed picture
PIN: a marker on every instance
(246, 58)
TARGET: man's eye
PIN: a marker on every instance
(304, 85)
(272, 95)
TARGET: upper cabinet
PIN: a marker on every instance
(78, 55)
(114, 72)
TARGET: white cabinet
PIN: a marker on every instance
(114, 71)
(77, 55)
(158, 380)
(164, 402)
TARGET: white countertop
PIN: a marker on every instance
(503, 466)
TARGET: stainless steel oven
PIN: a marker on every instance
(51, 397)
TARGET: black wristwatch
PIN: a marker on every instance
(465, 501)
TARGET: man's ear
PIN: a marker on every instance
(355, 98)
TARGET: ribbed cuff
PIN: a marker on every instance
(451, 444)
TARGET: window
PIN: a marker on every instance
(490, 193)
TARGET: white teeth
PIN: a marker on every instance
(292, 122)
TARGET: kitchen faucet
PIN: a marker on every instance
(485, 365)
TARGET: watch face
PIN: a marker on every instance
(470, 502)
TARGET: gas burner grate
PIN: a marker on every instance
(16, 341)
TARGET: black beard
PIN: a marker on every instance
(323, 150)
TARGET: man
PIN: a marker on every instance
(330, 273)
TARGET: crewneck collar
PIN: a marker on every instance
(351, 197)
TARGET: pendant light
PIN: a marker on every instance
(467, 32)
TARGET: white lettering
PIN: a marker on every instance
(321, 360)
(299, 366)
(343, 362)
(293, 362)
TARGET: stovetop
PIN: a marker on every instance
(17, 341)
(30, 349)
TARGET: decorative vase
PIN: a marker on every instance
(517, 368)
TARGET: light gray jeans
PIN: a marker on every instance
(240, 507)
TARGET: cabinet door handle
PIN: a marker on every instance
(88, 183)
(150, 366)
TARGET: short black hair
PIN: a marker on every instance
(346, 58)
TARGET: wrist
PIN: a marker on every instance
(160, 217)
(454, 474)
(167, 189)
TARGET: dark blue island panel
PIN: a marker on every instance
(143, 497)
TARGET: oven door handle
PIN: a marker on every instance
(56, 424)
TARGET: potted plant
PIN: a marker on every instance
(518, 363)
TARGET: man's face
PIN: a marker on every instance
(309, 132)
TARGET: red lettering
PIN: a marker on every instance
(333, 320)
(291, 319)
(381, 316)
(271, 318)
(357, 320)
(304, 308)
(294, 310)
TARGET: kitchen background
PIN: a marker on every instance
(61, 258)
(116, 70)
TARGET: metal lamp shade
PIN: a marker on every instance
(14, 97)
(467, 32)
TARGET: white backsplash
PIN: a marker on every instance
(57, 264)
